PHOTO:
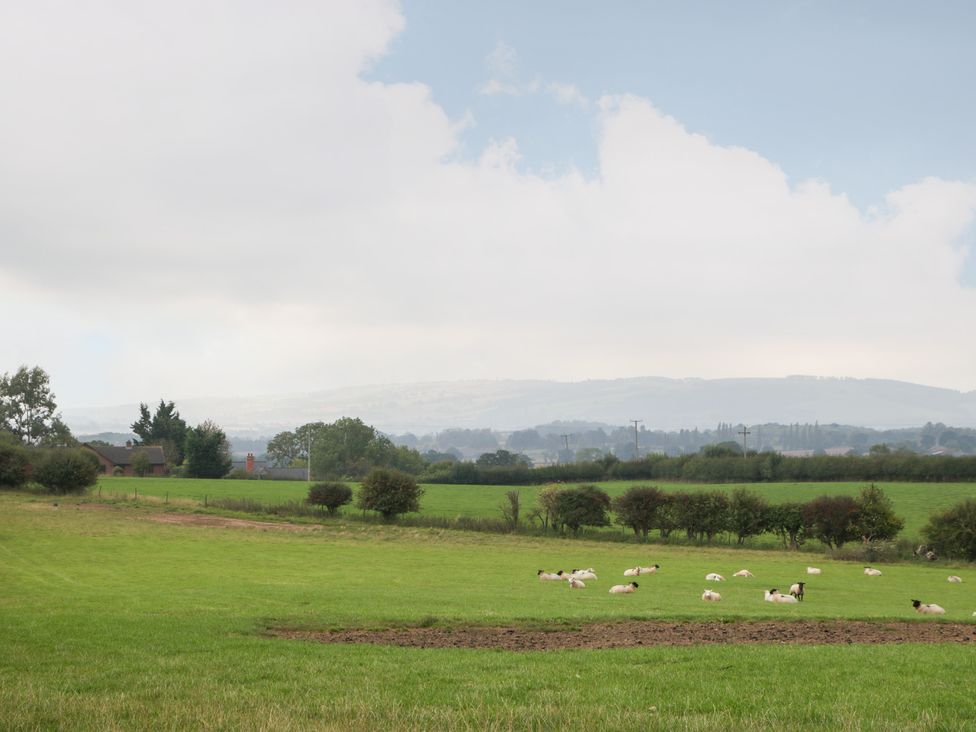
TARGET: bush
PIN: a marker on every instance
(390, 493)
(14, 465)
(638, 508)
(331, 495)
(66, 470)
(239, 474)
(118, 470)
(876, 520)
(953, 532)
(832, 519)
(586, 505)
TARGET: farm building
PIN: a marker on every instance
(111, 457)
(263, 470)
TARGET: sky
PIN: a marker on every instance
(240, 198)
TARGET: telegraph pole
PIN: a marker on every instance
(744, 432)
(636, 445)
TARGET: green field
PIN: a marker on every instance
(110, 619)
(914, 502)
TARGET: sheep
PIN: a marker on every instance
(871, 572)
(743, 573)
(618, 589)
(714, 577)
(927, 609)
(796, 589)
(774, 595)
(635, 572)
(710, 596)
(955, 578)
(583, 574)
(551, 576)
(575, 584)
(813, 570)
(638, 571)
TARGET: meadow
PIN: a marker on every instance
(112, 617)
(914, 502)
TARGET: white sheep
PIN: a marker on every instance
(551, 576)
(743, 573)
(955, 578)
(796, 589)
(583, 574)
(638, 571)
(714, 577)
(871, 572)
(774, 595)
(813, 570)
(575, 584)
(927, 609)
(634, 572)
(618, 589)
(711, 596)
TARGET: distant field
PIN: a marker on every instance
(914, 502)
(110, 619)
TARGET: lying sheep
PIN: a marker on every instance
(714, 577)
(871, 572)
(618, 589)
(711, 596)
(813, 570)
(575, 584)
(927, 609)
(774, 595)
(638, 571)
(955, 578)
(796, 589)
(583, 574)
(743, 573)
(551, 576)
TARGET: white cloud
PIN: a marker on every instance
(503, 59)
(568, 94)
(248, 215)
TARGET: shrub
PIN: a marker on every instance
(141, 464)
(390, 493)
(14, 464)
(512, 509)
(953, 532)
(586, 505)
(118, 470)
(331, 495)
(66, 470)
(238, 474)
(876, 520)
(748, 514)
(832, 519)
(638, 508)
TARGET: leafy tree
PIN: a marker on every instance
(876, 520)
(27, 406)
(638, 508)
(331, 495)
(747, 514)
(141, 465)
(502, 459)
(14, 462)
(585, 505)
(548, 500)
(66, 470)
(668, 516)
(722, 449)
(953, 532)
(348, 447)
(164, 428)
(207, 452)
(789, 521)
(832, 519)
(390, 492)
(525, 440)
(511, 509)
(283, 449)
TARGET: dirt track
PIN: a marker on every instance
(649, 633)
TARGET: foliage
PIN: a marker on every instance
(14, 462)
(638, 508)
(332, 495)
(27, 407)
(748, 513)
(207, 452)
(66, 470)
(389, 492)
(511, 509)
(789, 521)
(585, 505)
(876, 520)
(832, 519)
(953, 532)
(548, 500)
(502, 459)
(164, 428)
(141, 465)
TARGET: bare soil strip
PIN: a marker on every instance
(636, 634)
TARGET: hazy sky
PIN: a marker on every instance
(235, 198)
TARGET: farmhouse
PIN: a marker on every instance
(111, 457)
(262, 469)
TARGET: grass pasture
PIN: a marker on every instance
(112, 619)
(914, 502)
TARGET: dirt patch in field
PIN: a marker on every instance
(647, 633)
(201, 519)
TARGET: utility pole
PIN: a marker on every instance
(744, 432)
(308, 459)
(566, 438)
(636, 445)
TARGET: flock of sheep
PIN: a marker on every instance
(576, 578)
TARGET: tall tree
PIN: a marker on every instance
(164, 428)
(27, 406)
(207, 452)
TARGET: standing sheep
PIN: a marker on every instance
(796, 589)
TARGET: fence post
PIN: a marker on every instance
(204, 500)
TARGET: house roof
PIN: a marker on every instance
(123, 455)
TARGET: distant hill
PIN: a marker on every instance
(510, 404)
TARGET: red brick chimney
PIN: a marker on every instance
(249, 466)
